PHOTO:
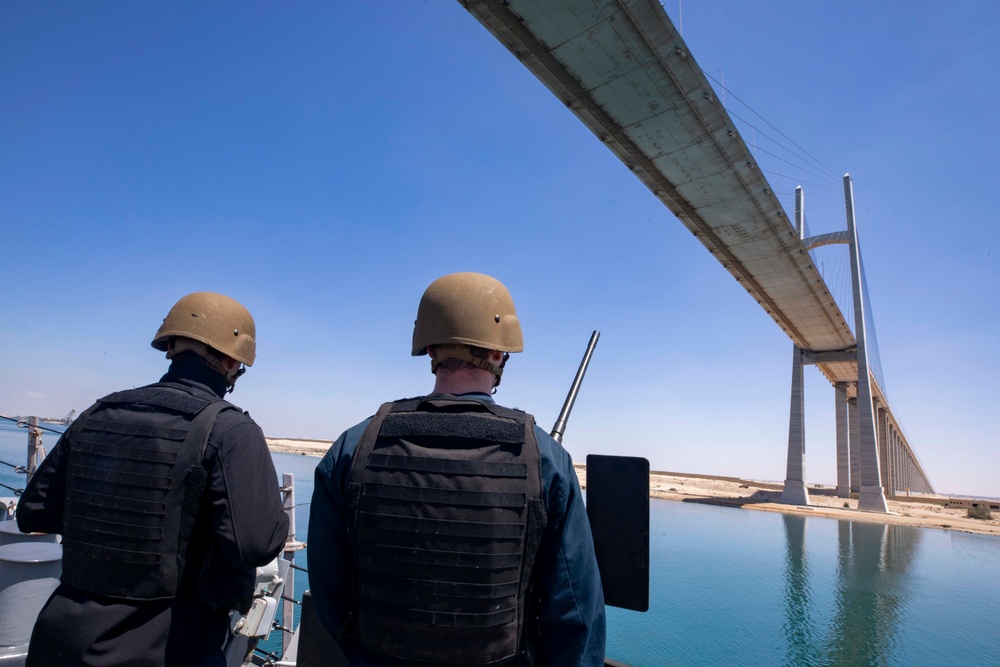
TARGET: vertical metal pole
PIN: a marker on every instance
(34, 443)
(287, 608)
(871, 496)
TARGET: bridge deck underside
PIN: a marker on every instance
(626, 73)
(621, 67)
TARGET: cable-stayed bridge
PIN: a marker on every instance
(624, 70)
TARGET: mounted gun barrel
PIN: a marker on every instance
(560, 426)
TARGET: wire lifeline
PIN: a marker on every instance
(16, 468)
(23, 424)
(17, 492)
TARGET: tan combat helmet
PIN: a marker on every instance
(467, 309)
(216, 320)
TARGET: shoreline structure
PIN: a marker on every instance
(918, 511)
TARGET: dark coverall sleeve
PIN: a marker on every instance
(571, 623)
(331, 557)
(40, 508)
(249, 523)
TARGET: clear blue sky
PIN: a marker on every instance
(324, 162)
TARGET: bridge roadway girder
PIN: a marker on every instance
(623, 69)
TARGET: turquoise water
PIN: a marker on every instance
(741, 587)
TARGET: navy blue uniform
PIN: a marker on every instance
(569, 624)
(239, 526)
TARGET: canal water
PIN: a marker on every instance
(741, 587)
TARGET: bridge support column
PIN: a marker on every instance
(904, 475)
(882, 422)
(843, 453)
(890, 483)
(795, 492)
(871, 496)
(900, 465)
(909, 467)
(853, 441)
(897, 460)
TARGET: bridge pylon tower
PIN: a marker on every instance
(858, 460)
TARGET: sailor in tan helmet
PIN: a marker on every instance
(447, 529)
(166, 499)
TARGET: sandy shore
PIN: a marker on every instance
(299, 446)
(923, 512)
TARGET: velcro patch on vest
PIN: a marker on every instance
(471, 426)
(118, 555)
(115, 529)
(391, 554)
(132, 429)
(156, 482)
(445, 496)
(105, 501)
(171, 400)
(448, 466)
(124, 451)
(439, 527)
(420, 588)
(439, 618)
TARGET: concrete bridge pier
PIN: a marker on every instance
(871, 496)
(890, 472)
(853, 441)
(882, 424)
(795, 492)
(843, 439)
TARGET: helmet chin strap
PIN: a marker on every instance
(234, 375)
(496, 383)
(465, 353)
(212, 359)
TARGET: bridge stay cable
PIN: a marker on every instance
(832, 173)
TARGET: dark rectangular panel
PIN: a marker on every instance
(618, 508)
(317, 648)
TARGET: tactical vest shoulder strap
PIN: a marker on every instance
(537, 521)
(365, 446)
(452, 403)
(160, 397)
(196, 482)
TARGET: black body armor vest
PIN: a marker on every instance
(135, 481)
(447, 514)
